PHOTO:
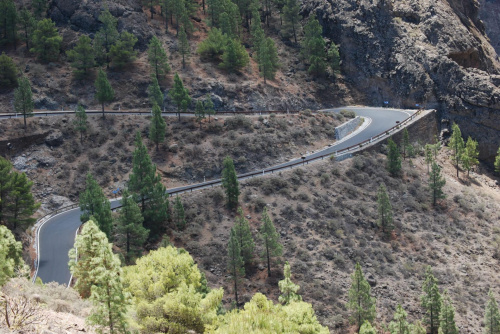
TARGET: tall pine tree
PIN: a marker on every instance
(157, 58)
(235, 56)
(93, 203)
(179, 95)
(104, 91)
(230, 183)
(270, 239)
(80, 122)
(268, 59)
(21, 204)
(288, 289)
(158, 127)
(23, 99)
(491, 315)
(106, 37)
(46, 41)
(313, 47)
(469, 155)
(436, 183)
(179, 215)
(154, 92)
(457, 146)
(360, 303)
(235, 262)
(385, 221)
(405, 143)
(82, 56)
(431, 301)
(184, 48)
(393, 158)
(399, 324)
(27, 22)
(208, 104)
(244, 236)
(8, 72)
(291, 19)
(447, 317)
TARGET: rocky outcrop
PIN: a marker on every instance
(434, 53)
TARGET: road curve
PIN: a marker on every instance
(56, 236)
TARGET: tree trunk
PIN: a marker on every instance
(236, 286)
(151, 9)
(81, 136)
(294, 34)
(103, 116)
(268, 260)
(24, 115)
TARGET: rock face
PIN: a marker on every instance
(54, 139)
(434, 53)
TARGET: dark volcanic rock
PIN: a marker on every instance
(54, 139)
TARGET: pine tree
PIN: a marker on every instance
(258, 34)
(230, 183)
(39, 8)
(436, 183)
(235, 56)
(469, 155)
(157, 209)
(334, 58)
(151, 4)
(270, 239)
(244, 236)
(23, 99)
(129, 226)
(179, 95)
(268, 59)
(491, 316)
(27, 22)
(367, 328)
(8, 22)
(291, 19)
(399, 324)
(360, 303)
(179, 216)
(166, 9)
(428, 156)
(405, 143)
(80, 122)
(184, 48)
(215, 7)
(11, 255)
(447, 317)
(154, 92)
(431, 301)
(104, 91)
(235, 262)
(199, 112)
(46, 41)
(81, 56)
(313, 47)
(393, 158)
(385, 221)
(105, 37)
(158, 127)
(157, 58)
(21, 204)
(208, 104)
(93, 203)
(213, 46)
(122, 52)
(417, 328)
(457, 145)
(497, 161)
(288, 289)
(5, 185)
(8, 72)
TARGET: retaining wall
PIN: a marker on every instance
(343, 130)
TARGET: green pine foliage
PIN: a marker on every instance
(39, 8)
(457, 146)
(151, 4)
(8, 72)
(5, 186)
(8, 23)
(82, 56)
(106, 37)
(470, 155)
(405, 144)
(270, 240)
(436, 183)
(80, 122)
(235, 56)
(258, 34)
(46, 41)
(268, 59)
(199, 112)
(184, 47)
(235, 263)
(21, 204)
(208, 104)
(367, 328)
(399, 323)
(385, 220)
(334, 58)
(447, 316)
(230, 183)
(27, 23)
(180, 95)
(122, 52)
(497, 161)
(23, 99)
(288, 289)
(361, 304)
(104, 91)
(158, 127)
(157, 57)
(11, 255)
(291, 19)
(431, 301)
(491, 316)
(428, 156)
(244, 237)
(94, 205)
(313, 47)
(179, 215)
(214, 45)
(154, 92)
(393, 158)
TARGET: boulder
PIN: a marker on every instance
(54, 139)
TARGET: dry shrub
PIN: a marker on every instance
(19, 312)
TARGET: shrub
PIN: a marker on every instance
(348, 113)
(239, 122)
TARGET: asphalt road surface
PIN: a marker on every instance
(57, 235)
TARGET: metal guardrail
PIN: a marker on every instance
(263, 172)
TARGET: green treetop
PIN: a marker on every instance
(268, 59)
(82, 56)
(129, 226)
(104, 91)
(244, 236)
(405, 143)
(447, 317)
(184, 48)
(105, 37)
(399, 324)
(291, 19)
(491, 316)
(313, 47)
(8, 72)
(235, 56)
(334, 58)
(23, 99)
(367, 328)
(122, 52)
(39, 8)
(235, 261)
(431, 301)
(21, 204)
(360, 303)
(393, 158)
(46, 41)
(385, 221)
(157, 58)
(208, 104)
(428, 156)
(158, 127)
(436, 183)
(8, 23)
(80, 122)
(179, 216)
(179, 95)
(230, 183)
(213, 46)
(27, 23)
(5, 185)
(288, 289)
(154, 92)
(456, 144)
(469, 155)
(93, 203)
(11, 255)
(270, 239)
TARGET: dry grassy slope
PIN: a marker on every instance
(326, 215)
(189, 154)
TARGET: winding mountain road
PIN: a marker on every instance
(56, 235)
